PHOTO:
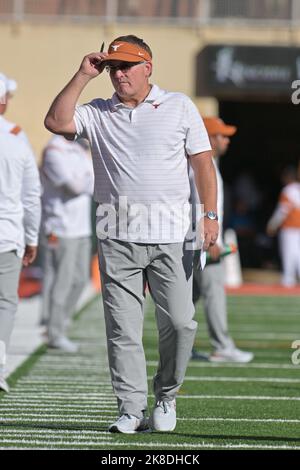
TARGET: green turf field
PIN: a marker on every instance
(61, 401)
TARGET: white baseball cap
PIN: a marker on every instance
(7, 85)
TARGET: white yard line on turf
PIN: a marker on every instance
(59, 406)
(75, 432)
(102, 419)
(95, 397)
(234, 365)
(237, 397)
(240, 379)
(245, 420)
(61, 379)
(28, 417)
(33, 418)
(28, 385)
(132, 445)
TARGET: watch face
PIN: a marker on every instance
(212, 215)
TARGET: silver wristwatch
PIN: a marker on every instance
(211, 215)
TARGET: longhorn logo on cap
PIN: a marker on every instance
(115, 47)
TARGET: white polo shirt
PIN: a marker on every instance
(140, 161)
(68, 184)
(20, 207)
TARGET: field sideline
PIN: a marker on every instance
(61, 401)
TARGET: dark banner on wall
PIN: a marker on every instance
(233, 71)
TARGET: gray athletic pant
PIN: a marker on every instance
(10, 267)
(66, 267)
(125, 268)
(209, 284)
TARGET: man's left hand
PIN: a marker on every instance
(211, 231)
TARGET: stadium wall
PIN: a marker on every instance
(43, 57)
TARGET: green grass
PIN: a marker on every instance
(61, 401)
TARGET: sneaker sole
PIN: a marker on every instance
(115, 429)
(164, 430)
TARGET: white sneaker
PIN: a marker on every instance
(128, 424)
(64, 344)
(3, 385)
(231, 355)
(163, 416)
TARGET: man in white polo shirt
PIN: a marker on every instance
(142, 140)
(68, 183)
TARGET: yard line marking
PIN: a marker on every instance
(96, 434)
(67, 395)
(56, 431)
(157, 445)
(60, 379)
(198, 397)
(88, 362)
(62, 402)
(250, 328)
(57, 401)
(61, 386)
(64, 384)
(234, 365)
(102, 412)
(101, 409)
(204, 445)
(90, 365)
(246, 420)
(257, 336)
(61, 442)
(85, 368)
(74, 418)
(54, 420)
(49, 406)
(240, 379)
(102, 420)
(238, 397)
(54, 416)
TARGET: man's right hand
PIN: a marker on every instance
(29, 255)
(92, 64)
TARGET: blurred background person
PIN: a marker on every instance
(19, 227)
(68, 183)
(210, 283)
(286, 220)
(20, 213)
(8, 86)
